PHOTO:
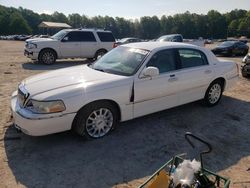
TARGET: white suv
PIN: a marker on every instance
(70, 43)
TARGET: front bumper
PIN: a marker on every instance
(31, 54)
(39, 124)
(245, 68)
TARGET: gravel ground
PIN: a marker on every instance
(133, 151)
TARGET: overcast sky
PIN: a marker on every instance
(128, 8)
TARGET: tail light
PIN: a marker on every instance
(115, 45)
(238, 70)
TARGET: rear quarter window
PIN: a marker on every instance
(106, 36)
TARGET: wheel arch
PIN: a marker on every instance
(115, 104)
(222, 80)
(102, 49)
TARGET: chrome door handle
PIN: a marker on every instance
(207, 71)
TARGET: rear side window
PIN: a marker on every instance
(106, 36)
(192, 58)
(86, 36)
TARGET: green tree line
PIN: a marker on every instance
(190, 25)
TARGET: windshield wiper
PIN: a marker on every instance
(102, 70)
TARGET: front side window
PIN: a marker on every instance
(164, 60)
(72, 37)
(192, 58)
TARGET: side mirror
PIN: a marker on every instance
(150, 72)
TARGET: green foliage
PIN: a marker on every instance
(214, 24)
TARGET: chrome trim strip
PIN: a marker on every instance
(41, 118)
(169, 94)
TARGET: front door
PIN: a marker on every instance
(159, 92)
(70, 46)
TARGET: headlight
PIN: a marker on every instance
(45, 107)
(31, 46)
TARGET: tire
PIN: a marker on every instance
(91, 59)
(99, 54)
(243, 72)
(47, 57)
(230, 53)
(96, 120)
(245, 52)
(213, 93)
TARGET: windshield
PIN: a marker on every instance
(121, 60)
(165, 38)
(59, 35)
(227, 43)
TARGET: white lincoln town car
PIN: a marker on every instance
(128, 82)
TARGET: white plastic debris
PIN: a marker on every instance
(184, 173)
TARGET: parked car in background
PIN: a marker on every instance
(246, 59)
(171, 38)
(70, 43)
(179, 38)
(230, 48)
(245, 68)
(127, 40)
(243, 39)
(130, 81)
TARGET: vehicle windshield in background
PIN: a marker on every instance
(165, 38)
(59, 35)
(121, 60)
(227, 43)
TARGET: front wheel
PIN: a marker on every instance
(96, 120)
(47, 57)
(213, 93)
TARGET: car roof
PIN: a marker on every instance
(159, 45)
(88, 29)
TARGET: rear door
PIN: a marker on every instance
(89, 44)
(70, 45)
(194, 76)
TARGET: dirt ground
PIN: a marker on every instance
(129, 154)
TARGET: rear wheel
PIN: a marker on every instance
(47, 57)
(213, 93)
(99, 54)
(96, 120)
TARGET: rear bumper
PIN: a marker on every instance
(39, 125)
(231, 82)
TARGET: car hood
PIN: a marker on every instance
(82, 75)
(40, 40)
